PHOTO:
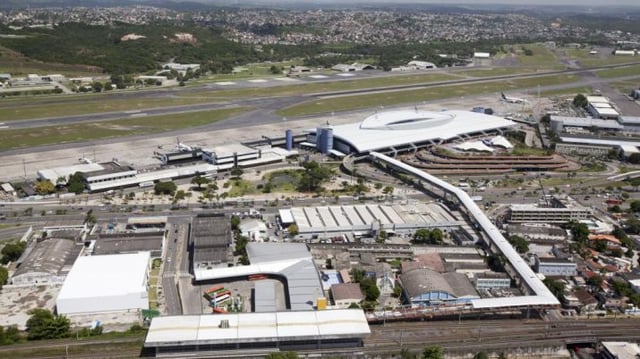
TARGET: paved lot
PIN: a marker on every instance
(15, 302)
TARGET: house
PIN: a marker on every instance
(345, 294)
(586, 301)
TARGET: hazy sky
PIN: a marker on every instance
(510, 2)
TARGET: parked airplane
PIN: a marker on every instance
(512, 99)
(182, 147)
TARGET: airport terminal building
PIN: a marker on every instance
(405, 130)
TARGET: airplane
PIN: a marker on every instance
(512, 99)
(182, 147)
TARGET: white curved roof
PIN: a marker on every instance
(473, 146)
(396, 128)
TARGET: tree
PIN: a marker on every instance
(90, 218)
(634, 158)
(180, 195)
(293, 230)
(519, 244)
(313, 176)
(199, 181)
(387, 190)
(45, 187)
(75, 183)
(632, 225)
(276, 70)
(11, 252)
(42, 324)
(634, 206)
(481, 355)
(579, 231)
(9, 335)
(595, 280)
(433, 352)
(556, 287)
(165, 188)
(4, 275)
(235, 223)
(236, 172)
(421, 235)
(580, 101)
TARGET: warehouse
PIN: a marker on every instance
(109, 283)
(212, 237)
(423, 286)
(47, 262)
(410, 130)
(276, 331)
(366, 220)
(290, 262)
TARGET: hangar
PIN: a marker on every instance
(409, 130)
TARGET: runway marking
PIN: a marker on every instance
(318, 76)
(257, 80)
(346, 75)
(3, 127)
(289, 79)
(138, 114)
(225, 83)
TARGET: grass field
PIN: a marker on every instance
(20, 109)
(241, 188)
(17, 65)
(498, 71)
(566, 91)
(619, 72)
(415, 96)
(304, 88)
(541, 58)
(38, 136)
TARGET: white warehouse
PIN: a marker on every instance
(106, 283)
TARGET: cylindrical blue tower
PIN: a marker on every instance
(326, 140)
(319, 136)
(289, 140)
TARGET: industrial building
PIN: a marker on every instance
(46, 262)
(601, 107)
(122, 243)
(492, 280)
(555, 267)
(276, 331)
(405, 130)
(211, 240)
(424, 287)
(109, 283)
(289, 262)
(346, 294)
(620, 350)
(552, 210)
(368, 219)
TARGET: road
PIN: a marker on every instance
(175, 263)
